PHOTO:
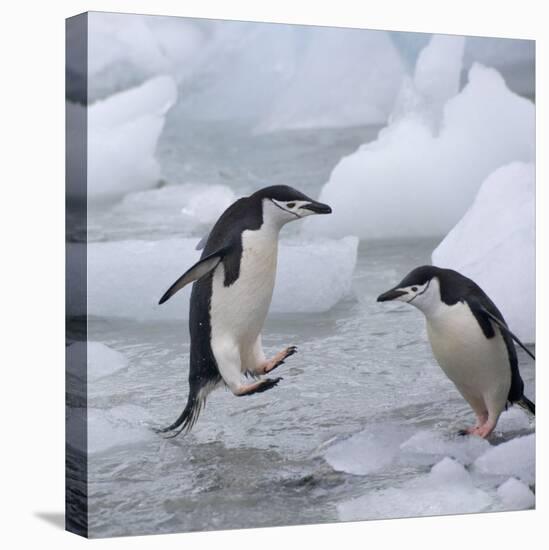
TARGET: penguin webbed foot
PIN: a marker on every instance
(259, 387)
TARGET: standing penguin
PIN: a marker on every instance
(470, 341)
(233, 286)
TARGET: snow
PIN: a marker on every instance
(123, 131)
(516, 457)
(127, 278)
(494, 244)
(371, 450)
(412, 182)
(102, 361)
(447, 489)
(515, 495)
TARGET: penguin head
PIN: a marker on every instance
(420, 288)
(282, 204)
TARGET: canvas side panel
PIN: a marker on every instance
(76, 470)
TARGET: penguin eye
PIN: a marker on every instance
(414, 288)
(290, 204)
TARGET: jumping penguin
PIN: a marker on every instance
(470, 341)
(231, 295)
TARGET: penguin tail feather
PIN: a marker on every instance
(186, 419)
(526, 404)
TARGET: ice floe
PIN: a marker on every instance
(127, 278)
(494, 244)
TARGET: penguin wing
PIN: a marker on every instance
(505, 329)
(197, 271)
(487, 313)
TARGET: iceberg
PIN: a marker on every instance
(125, 50)
(414, 182)
(344, 77)
(127, 278)
(436, 79)
(123, 131)
(494, 244)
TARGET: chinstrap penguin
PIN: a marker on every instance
(470, 341)
(231, 295)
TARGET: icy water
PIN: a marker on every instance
(364, 370)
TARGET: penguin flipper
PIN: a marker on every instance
(197, 271)
(505, 329)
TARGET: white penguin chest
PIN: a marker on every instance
(241, 308)
(477, 365)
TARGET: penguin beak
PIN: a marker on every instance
(317, 207)
(392, 294)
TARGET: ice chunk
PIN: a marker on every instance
(514, 419)
(122, 134)
(313, 276)
(188, 209)
(369, 451)
(411, 183)
(344, 77)
(101, 360)
(208, 203)
(428, 446)
(516, 458)
(127, 278)
(121, 426)
(447, 489)
(108, 429)
(494, 244)
(515, 495)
